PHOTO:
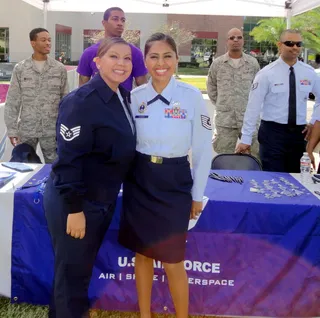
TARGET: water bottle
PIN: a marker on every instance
(305, 168)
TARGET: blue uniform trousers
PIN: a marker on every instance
(74, 258)
(281, 146)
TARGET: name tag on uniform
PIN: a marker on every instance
(175, 112)
(141, 116)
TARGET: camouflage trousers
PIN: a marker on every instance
(48, 146)
(225, 141)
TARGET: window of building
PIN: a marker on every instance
(63, 43)
(202, 50)
(4, 45)
(91, 37)
(264, 52)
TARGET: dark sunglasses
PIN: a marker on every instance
(292, 43)
(233, 37)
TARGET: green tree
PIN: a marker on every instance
(308, 23)
(269, 30)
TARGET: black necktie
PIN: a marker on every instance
(292, 121)
(158, 97)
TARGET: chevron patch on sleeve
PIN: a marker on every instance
(69, 134)
(206, 122)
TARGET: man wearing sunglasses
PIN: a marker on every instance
(280, 93)
(229, 80)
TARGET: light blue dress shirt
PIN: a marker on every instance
(316, 114)
(172, 130)
(269, 96)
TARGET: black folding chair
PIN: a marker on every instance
(235, 161)
(24, 153)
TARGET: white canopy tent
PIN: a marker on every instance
(267, 8)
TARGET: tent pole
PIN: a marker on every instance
(45, 13)
(288, 7)
(305, 55)
(289, 19)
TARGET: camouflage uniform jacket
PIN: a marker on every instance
(31, 108)
(228, 88)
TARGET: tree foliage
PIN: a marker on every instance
(178, 33)
(269, 30)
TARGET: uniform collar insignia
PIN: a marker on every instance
(166, 94)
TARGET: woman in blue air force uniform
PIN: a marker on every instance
(161, 194)
(96, 145)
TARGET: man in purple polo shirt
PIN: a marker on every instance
(113, 22)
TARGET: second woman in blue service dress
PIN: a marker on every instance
(161, 194)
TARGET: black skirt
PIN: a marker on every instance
(156, 208)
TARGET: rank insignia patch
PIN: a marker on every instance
(69, 134)
(206, 122)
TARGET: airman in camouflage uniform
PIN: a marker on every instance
(229, 81)
(37, 86)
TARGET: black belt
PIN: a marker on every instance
(282, 126)
(162, 160)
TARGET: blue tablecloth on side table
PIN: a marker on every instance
(247, 255)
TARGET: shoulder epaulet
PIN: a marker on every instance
(138, 89)
(250, 57)
(218, 59)
(187, 86)
(77, 97)
(84, 91)
(269, 66)
(59, 64)
(306, 65)
(22, 63)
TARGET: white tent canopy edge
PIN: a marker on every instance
(301, 6)
(265, 8)
(203, 7)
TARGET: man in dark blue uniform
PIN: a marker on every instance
(96, 145)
